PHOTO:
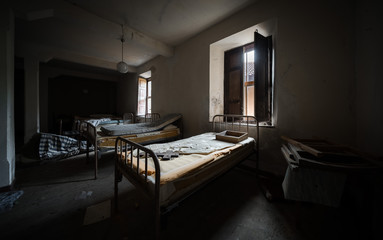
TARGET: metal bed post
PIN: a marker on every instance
(91, 138)
(95, 156)
(137, 178)
(117, 177)
(223, 120)
(128, 151)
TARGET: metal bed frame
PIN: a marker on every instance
(124, 164)
(90, 134)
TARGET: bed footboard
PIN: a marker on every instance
(90, 133)
(132, 162)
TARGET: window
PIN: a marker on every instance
(260, 89)
(248, 83)
(144, 104)
(247, 79)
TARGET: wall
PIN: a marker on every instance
(369, 74)
(7, 129)
(127, 93)
(314, 74)
(73, 96)
(124, 102)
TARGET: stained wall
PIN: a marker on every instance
(314, 82)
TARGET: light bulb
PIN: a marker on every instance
(122, 67)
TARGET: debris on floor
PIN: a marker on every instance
(7, 199)
(84, 195)
(97, 212)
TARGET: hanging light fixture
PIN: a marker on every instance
(122, 67)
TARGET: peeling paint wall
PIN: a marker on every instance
(314, 94)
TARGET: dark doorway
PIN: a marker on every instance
(70, 96)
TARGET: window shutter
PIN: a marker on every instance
(262, 68)
(233, 81)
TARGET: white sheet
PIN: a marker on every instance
(200, 144)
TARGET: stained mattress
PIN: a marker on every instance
(137, 128)
(201, 157)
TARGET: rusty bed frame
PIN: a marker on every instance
(91, 134)
(139, 178)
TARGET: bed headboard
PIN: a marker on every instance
(90, 131)
(128, 118)
(241, 123)
(233, 122)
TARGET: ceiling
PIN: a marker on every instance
(89, 32)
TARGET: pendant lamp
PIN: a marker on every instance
(122, 67)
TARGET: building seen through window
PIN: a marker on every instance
(144, 103)
(248, 84)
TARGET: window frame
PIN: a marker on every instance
(262, 79)
(147, 96)
(243, 83)
(247, 48)
(263, 69)
(216, 66)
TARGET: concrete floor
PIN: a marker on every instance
(59, 197)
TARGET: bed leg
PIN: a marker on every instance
(95, 164)
(95, 160)
(158, 228)
(87, 151)
(117, 178)
(163, 221)
(157, 219)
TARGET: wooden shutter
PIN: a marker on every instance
(262, 79)
(233, 81)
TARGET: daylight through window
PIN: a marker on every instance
(144, 103)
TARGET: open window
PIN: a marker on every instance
(144, 103)
(247, 80)
(239, 80)
(241, 73)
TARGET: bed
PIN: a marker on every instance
(163, 129)
(169, 172)
(148, 117)
(79, 123)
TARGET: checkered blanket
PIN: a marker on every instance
(54, 147)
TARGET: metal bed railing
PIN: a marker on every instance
(127, 164)
(133, 165)
(235, 121)
(239, 121)
(90, 134)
